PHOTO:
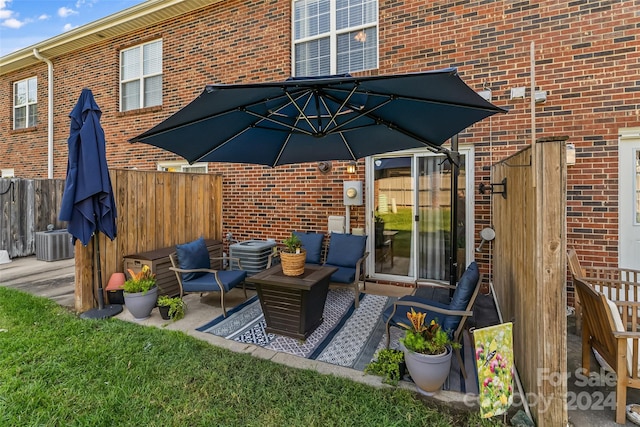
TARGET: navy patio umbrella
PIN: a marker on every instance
(320, 118)
(88, 204)
(312, 119)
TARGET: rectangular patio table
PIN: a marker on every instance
(293, 305)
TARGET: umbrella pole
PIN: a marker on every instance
(453, 238)
(96, 247)
(102, 311)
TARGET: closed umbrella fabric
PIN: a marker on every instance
(87, 202)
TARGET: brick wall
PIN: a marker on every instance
(586, 59)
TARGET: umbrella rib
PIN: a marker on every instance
(342, 105)
(272, 120)
(306, 119)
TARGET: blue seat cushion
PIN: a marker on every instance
(345, 249)
(448, 323)
(207, 282)
(343, 274)
(312, 243)
(193, 255)
(466, 286)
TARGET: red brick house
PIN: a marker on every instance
(146, 62)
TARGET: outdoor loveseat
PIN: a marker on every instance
(346, 252)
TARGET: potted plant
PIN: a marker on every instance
(140, 293)
(171, 307)
(427, 352)
(389, 364)
(292, 256)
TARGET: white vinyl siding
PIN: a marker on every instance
(25, 103)
(141, 76)
(334, 36)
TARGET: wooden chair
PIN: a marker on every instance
(452, 317)
(615, 283)
(611, 329)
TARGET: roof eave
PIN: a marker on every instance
(126, 21)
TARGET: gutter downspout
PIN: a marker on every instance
(49, 113)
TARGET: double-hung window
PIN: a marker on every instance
(25, 103)
(141, 76)
(334, 36)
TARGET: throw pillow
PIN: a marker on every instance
(465, 287)
(346, 249)
(193, 255)
(312, 243)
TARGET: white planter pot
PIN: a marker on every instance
(428, 371)
(140, 304)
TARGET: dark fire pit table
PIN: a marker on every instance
(293, 305)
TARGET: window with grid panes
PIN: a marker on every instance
(141, 76)
(25, 103)
(334, 36)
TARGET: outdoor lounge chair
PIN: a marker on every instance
(451, 317)
(346, 252)
(611, 329)
(614, 282)
(192, 266)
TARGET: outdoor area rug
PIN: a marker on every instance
(347, 337)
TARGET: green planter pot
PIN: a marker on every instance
(428, 371)
(140, 304)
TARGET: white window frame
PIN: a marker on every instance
(333, 38)
(182, 167)
(27, 104)
(141, 77)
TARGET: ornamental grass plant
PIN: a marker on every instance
(425, 339)
(57, 370)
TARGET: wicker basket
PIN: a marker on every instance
(293, 264)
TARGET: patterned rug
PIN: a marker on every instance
(347, 337)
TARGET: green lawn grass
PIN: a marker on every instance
(59, 370)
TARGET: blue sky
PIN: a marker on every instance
(27, 22)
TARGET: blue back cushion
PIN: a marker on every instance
(465, 287)
(312, 243)
(193, 255)
(345, 249)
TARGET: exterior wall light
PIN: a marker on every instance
(351, 167)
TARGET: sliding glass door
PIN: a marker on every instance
(411, 202)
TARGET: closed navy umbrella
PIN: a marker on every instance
(87, 202)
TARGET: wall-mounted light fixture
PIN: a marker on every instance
(324, 167)
(485, 94)
(351, 167)
(517, 92)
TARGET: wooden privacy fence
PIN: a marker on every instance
(529, 271)
(155, 210)
(27, 206)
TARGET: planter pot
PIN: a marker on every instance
(140, 304)
(293, 264)
(164, 312)
(428, 371)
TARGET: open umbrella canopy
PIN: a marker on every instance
(87, 202)
(325, 118)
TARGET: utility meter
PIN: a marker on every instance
(352, 193)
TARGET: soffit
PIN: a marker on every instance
(126, 21)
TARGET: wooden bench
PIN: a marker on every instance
(610, 328)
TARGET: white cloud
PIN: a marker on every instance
(13, 23)
(4, 12)
(68, 27)
(43, 17)
(64, 12)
